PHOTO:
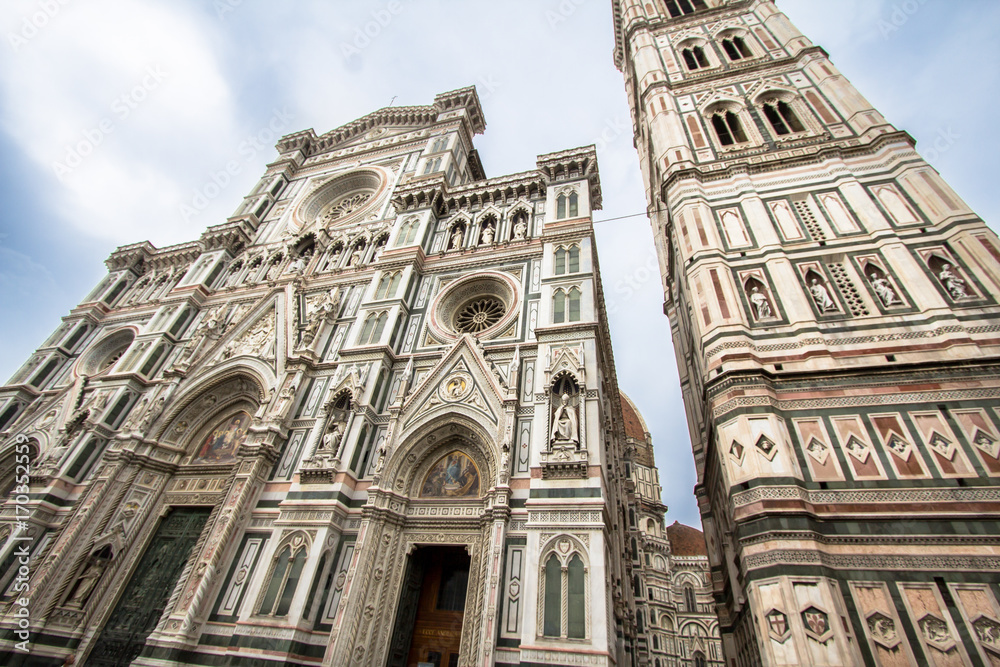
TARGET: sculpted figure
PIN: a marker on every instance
(952, 283)
(234, 274)
(86, 583)
(456, 238)
(565, 424)
(272, 271)
(883, 289)
(520, 229)
(355, 258)
(486, 238)
(821, 296)
(299, 265)
(332, 437)
(761, 306)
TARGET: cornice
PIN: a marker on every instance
(310, 144)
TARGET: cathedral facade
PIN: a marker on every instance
(371, 419)
(833, 307)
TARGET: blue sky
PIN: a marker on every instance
(168, 92)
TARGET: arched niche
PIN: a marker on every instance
(413, 462)
(209, 405)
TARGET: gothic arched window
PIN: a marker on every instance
(681, 7)
(567, 206)
(564, 615)
(284, 578)
(371, 332)
(782, 118)
(566, 306)
(407, 232)
(728, 128)
(567, 260)
(388, 285)
(694, 58)
(552, 622)
(690, 602)
(699, 659)
(736, 48)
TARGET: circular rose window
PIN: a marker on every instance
(479, 315)
(484, 305)
(345, 199)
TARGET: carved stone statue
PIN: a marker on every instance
(272, 271)
(952, 283)
(762, 308)
(520, 229)
(86, 583)
(356, 257)
(209, 330)
(883, 289)
(234, 274)
(332, 437)
(284, 398)
(486, 238)
(821, 296)
(456, 238)
(565, 423)
(152, 414)
(299, 264)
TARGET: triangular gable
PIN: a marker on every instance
(254, 334)
(461, 379)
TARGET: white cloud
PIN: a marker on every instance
(103, 96)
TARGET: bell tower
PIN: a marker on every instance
(833, 306)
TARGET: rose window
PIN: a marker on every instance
(479, 315)
(346, 206)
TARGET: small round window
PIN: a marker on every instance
(479, 315)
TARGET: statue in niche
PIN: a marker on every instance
(88, 580)
(209, 330)
(334, 434)
(356, 256)
(299, 264)
(883, 289)
(761, 306)
(457, 235)
(152, 414)
(821, 295)
(952, 283)
(234, 274)
(272, 271)
(520, 229)
(252, 271)
(565, 424)
(486, 238)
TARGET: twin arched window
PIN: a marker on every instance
(728, 128)
(694, 58)
(566, 306)
(567, 260)
(680, 7)
(779, 114)
(690, 601)
(736, 48)
(371, 332)
(388, 285)
(407, 232)
(567, 620)
(284, 578)
(567, 206)
(781, 117)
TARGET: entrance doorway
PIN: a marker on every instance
(431, 609)
(145, 597)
